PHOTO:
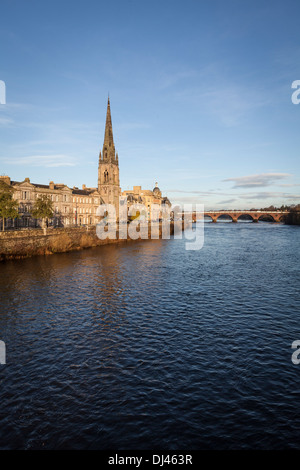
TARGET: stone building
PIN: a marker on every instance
(26, 194)
(137, 195)
(85, 203)
(78, 206)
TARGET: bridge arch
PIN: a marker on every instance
(282, 218)
(246, 217)
(208, 218)
(267, 217)
(224, 217)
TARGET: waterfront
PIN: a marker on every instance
(148, 346)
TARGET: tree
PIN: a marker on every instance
(43, 209)
(8, 205)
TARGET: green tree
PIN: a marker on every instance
(8, 205)
(43, 209)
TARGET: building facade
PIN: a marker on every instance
(85, 203)
(137, 195)
(74, 206)
(26, 194)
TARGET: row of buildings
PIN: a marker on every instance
(78, 206)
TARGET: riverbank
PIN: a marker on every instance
(27, 243)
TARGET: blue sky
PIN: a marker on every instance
(200, 95)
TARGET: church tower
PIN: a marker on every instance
(108, 169)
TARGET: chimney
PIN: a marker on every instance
(51, 185)
(83, 186)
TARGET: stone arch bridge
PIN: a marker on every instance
(277, 216)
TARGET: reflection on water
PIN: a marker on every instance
(147, 345)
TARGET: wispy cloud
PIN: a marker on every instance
(200, 193)
(228, 102)
(46, 161)
(172, 77)
(4, 122)
(227, 201)
(254, 181)
(234, 199)
(269, 195)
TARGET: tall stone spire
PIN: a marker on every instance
(108, 169)
(108, 145)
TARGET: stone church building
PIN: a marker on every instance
(74, 206)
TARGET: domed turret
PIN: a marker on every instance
(157, 191)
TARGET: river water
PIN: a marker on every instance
(148, 346)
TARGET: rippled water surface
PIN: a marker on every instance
(146, 345)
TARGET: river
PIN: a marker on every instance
(148, 346)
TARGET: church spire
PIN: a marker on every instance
(108, 168)
(108, 135)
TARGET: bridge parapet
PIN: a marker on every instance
(277, 216)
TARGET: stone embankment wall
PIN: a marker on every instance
(293, 218)
(26, 243)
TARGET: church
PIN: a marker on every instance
(74, 206)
